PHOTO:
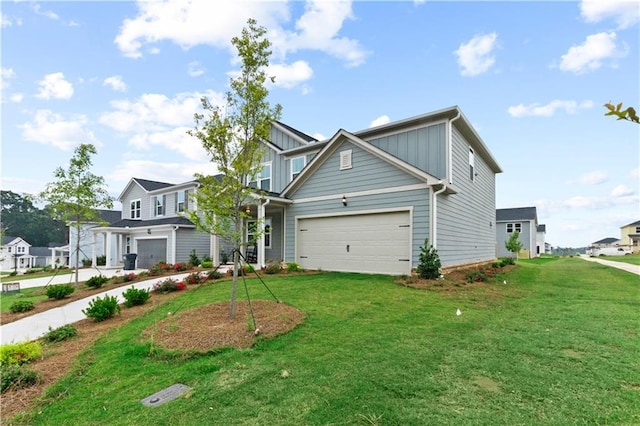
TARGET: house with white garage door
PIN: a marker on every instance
(360, 201)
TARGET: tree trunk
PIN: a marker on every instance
(234, 284)
(77, 252)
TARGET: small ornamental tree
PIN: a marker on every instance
(513, 244)
(429, 266)
(233, 136)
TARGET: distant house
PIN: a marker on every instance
(630, 236)
(54, 255)
(541, 246)
(606, 242)
(520, 219)
(92, 245)
(14, 254)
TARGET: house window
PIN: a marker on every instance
(637, 229)
(251, 233)
(297, 164)
(159, 205)
(134, 208)
(20, 249)
(9, 249)
(181, 201)
(511, 227)
(472, 164)
(263, 181)
(345, 160)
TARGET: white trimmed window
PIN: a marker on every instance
(263, 181)
(181, 201)
(514, 227)
(472, 164)
(297, 164)
(345, 160)
(20, 249)
(251, 230)
(134, 208)
(159, 203)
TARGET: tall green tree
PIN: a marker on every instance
(232, 135)
(19, 217)
(513, 244)
(76, 194)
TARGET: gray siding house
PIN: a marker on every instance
(520, 219)
(359, 201)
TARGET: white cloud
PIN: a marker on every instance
(16, 97)
(6, 74)
(590, 55)
(53, 129)
(625, 12)
(476, 56)
(548, 110)
(163, 172)
(319, 136)
(195, 69)
(55, 86)
(289, 76)
(593, 178)
(635, 173)
(116, 83)
(189, 23)
(46, 13)
(383, 119)
(622, 191)
(8, 21)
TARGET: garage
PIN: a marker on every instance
(151, 251)
(369, 243)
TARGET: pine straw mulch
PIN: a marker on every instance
(455, 280)
(183, 331)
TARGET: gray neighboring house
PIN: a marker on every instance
(519, 219)
(359, 201)
(606, 242)
(92, 245)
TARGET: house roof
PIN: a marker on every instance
(110, 216)
(636, 223)
(8, 240)
(131, 223)
(40, 251)
(516, 213)
(609, 240)
(305, 137)
(151, 185)
(542, 228)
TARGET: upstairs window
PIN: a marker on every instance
(297, 164)
(20, 249)
(134, 208)
(637, 229)
(514, 227)
(345, 160)
(263, 180)
(181, 201)
(472, 164)
(9, 249)
(159, 205)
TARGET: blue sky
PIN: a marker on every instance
(530, 76)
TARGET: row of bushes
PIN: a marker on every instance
(483, 274)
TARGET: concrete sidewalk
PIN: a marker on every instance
(634, 269)
(69, 276)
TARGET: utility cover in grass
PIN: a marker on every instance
(165, 395)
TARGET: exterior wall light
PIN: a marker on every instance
(344, 200)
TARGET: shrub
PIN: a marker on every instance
(272, 268)
(101, 260)
(19, 353)
(86, 262)
(101, 309)
(13, 273)
(59, 291)
(207, 258)
(180, 267)
(32, 271)
(214, 275)
(128, 277)
(429, 262)
(247, 269)
(507, 261)
(293, 267)
(21, 306)
(156, 270)
(193, 278)
(477, 276)
(207, 264)
(193, 258)
(61, 333)
(135, 297)
(16, 377)
(168, 285)
(96, 281)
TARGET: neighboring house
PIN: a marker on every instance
(14, 254)
(361, 202)
(606, 242)
(92, 245)
(520, 219)
(630, 236)
(541, 246)
(53, 255)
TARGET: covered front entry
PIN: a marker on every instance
(369, 243)
(150, 252)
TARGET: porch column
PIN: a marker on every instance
(261, 260)
(107, 251)
(94, 260)
(118, 249)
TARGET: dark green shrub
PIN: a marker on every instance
(19, 353)
(168, 285)
(59, 291)
(101, 309)
(293, 267)
(96, 281)
(477, 276)
(32, 271)
(193, 258)
(206, 258)
(207, 264)
(214, 275)
(272, 268)
(135, 297)
(128, 277)
(13, 273)
(193, 278)
(101, 260)
(61, 333)
(429, 262)
(507, 261)
(86, 262)
(21, 306)
(16, 377)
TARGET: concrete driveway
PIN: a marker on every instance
(634, 269)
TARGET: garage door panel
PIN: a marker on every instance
(375, 243)
(150, 252)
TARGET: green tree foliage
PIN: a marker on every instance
(429, 265)
(20, 218)
(76, 194)
(628, 114)
(513, 244)
(232, 135)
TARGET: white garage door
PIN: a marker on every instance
(371, 243)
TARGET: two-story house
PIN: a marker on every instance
(14, 254)
(523, 220)
(630, 236)
(359, 201)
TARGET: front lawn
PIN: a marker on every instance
(557, 344)
(633, 259)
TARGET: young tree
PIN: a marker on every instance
(77, 193)
(232, 135)
(513, 244)
(429, 266)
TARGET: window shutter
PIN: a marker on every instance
(186, 199)
(164, 204)
(175, 205)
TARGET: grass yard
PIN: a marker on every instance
(31, 294)
(633, 259)
(558, 344)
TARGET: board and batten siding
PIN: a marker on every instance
(283, 140)
(424, 148)
(466, 229)
(191, 239)
(137, 193)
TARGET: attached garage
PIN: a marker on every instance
(151, 251)
(369, 243)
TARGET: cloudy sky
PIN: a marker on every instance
(531, 77)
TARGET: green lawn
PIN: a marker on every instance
(558, 344)
(633, 259)
(34, 295)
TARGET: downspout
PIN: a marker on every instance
(434, 219)
(450, 143)
(261, 253)
(175, 242)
